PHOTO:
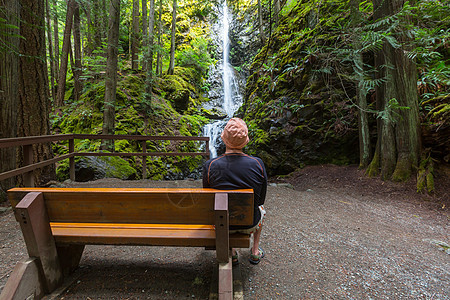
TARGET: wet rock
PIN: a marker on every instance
(215, 113)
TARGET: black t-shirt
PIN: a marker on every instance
(238, 171)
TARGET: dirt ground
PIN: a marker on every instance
(330, 233)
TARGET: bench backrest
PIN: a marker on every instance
(139, 205)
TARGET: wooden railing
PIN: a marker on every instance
(29, 165)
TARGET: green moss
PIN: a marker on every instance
(402, 171)
(82, 120)
(95, 96)
(425, 174)
(119, 168)
(191, 125)
(373, 170)
(62, 170)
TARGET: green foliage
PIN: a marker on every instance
(7, 32)
(96, 64)
(390, 111)
(195, 55)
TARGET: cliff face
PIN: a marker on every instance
(295, 106)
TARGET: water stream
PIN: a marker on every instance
(230, 98)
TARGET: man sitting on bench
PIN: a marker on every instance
(237, 170)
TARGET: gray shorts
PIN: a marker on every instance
(254, 228)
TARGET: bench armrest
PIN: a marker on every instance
(222, 227)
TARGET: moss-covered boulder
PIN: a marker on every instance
(93, 168)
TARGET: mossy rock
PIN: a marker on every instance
(180, 99)
(93, 168)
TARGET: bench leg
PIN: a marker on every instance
(25, 281)
(69, 257)
(32, 215)
(226, 280)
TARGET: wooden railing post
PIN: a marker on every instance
(28, 177)
(72, 159)
(144, 160)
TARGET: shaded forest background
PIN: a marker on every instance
(341, 82)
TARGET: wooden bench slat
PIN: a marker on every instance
(142, 234)
(125, 225)
(179, 206)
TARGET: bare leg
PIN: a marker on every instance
(256, 239)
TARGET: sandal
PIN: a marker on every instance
(235, 260)
(255, 259)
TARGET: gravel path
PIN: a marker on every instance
(323, 240)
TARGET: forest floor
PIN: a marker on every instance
(330, 233)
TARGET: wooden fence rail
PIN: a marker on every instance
(27, 143)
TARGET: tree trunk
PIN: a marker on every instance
(172, 39)
(9, 67)
(77, 71)
(144, 30)
(400, 129)
(109, 112)
(56, 38)
(134, 36)
(50, 52)
(89, 45)
(104, 18)
(34, 105)
(276, 11)
(149, 77)
(151, 26)
(159, 56)
(358, 67)
(65, 54)
(262, 36)
(97, 24)
(363, 129)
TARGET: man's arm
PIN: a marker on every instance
(264, 185)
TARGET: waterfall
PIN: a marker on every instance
(231, 99)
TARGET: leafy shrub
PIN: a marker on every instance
(196, 55)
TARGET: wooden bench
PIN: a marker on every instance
(57, 222)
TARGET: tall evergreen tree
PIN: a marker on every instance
(34, 101)
(144, 30)
(77, 73)
(65, 54)
(109, 112)
(50, 51)
(134, 36)
(159, 56)
(399, 131)
(56, 37)
(149, 57)
(172, 38)
(9, 66)
(358, 67)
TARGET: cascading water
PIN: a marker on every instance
(231, 100)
